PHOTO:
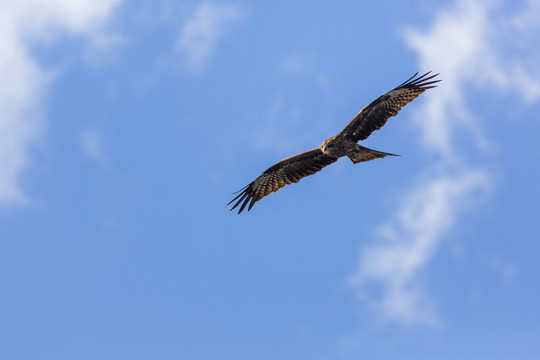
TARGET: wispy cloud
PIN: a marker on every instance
(199, 36)
(271, 133)
(22, 24)
(468, 43)
(408, 241)
(93, 147)
(297, 64)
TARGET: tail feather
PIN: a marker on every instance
(364, 154)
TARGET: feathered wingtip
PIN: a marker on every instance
(423, 82)
(245, 196)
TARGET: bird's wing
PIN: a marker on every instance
(287, 171)
(374, 115)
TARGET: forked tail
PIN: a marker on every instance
(364, 154)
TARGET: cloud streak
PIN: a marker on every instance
(407, 242)
(468, 43)
(22, 24)
(93, 147)
(199, 36)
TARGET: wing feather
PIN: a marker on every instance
(376, 114)
(287, 171)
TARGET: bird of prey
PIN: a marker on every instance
(370, 118)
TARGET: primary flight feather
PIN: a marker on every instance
(370, 118)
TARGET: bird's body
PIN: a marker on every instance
(337, 147)
(370, 118)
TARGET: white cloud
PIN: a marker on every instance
(101, 49)
(303, 65)
(272, 134)
(409, 240)
(23, 23)
(92, 145)
(199, 36)
(472, 44)
(469, 44)
(294, 64)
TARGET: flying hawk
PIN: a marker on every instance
(370, 118)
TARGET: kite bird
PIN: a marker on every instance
(370, 118)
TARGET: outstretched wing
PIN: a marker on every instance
(376, 114)
(287, 171)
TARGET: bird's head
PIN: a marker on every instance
(328, 145)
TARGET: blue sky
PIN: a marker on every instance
(126, 126)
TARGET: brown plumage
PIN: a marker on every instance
(370, 118)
